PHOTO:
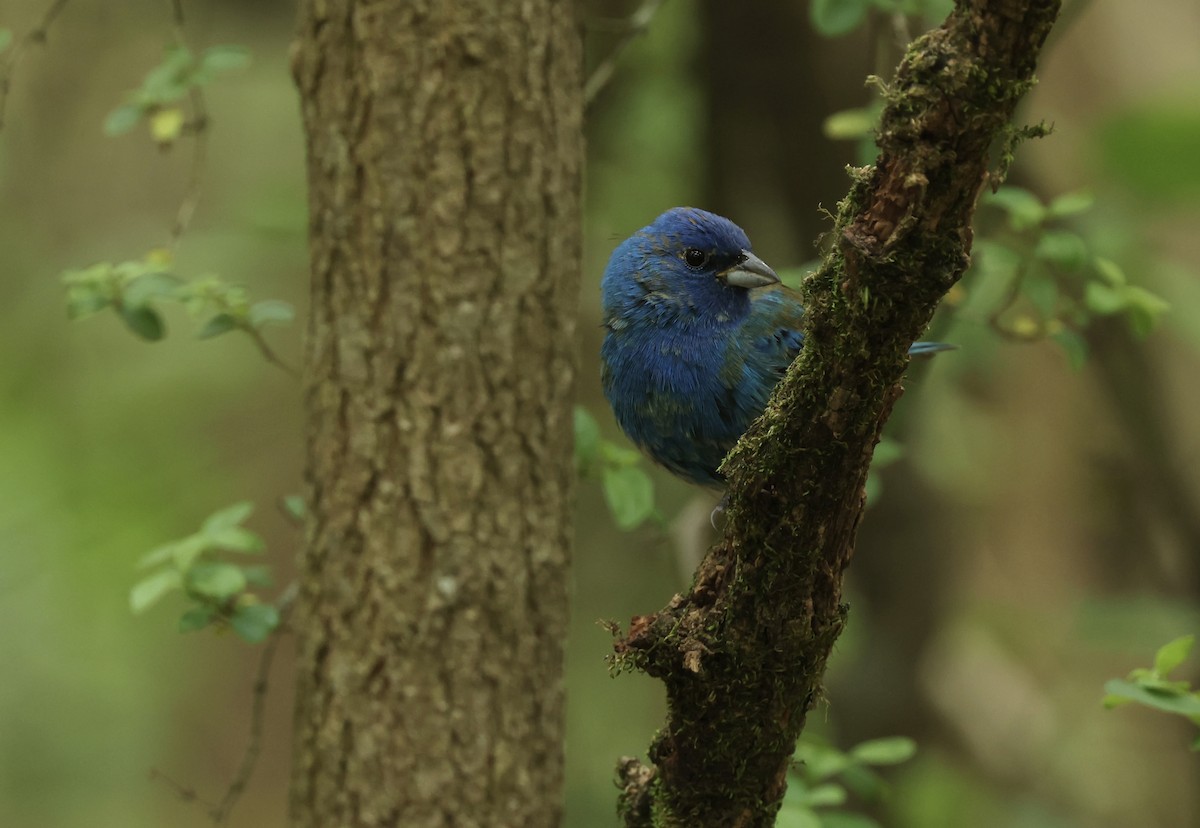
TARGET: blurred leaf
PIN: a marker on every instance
(1069, 204)
(149, 286)
(1062, 248)
(259, 576)
(890, 751)
(216, 579)
(796, 816)
(1185, 704)
(842, 819)
(224, 57)
(864, 782)
(837, 17)
(235, 539)
(887, 451)
(818, 762)
(158, 555)
(823, 796)
(254, 622)
(587, 438)
(1110, 271)
(122, 119)
(295, 506)
(219, 324)
(1102, 299)
(618, 455)
(227, 517)
(1024, 209)
(630, 495)
(1073, 345)
(1152, 150)
(6, 37)
(270, 311)
(1144, 309)
(1041, 291)
(166, 125)
(149, 590)
(1172, 654)
(83, 302)
(168, 81)
(197, 618)
(849, 124)
(144, 322)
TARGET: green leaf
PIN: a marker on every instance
(82, 302)
(149, 590)
(224, 57)
(294, 505)
(254, 622)
(1110, 271)
(1024, 209)
(837, 17)
(216, 579)
(1144, 309)
(144, 321)
(587, 438)
(166, 125)
(1062, 248)
(169, 81)
(828, 795)
(850, 124)
(259, 576)
(149, 286)
(219, 324)
(818, 762)
(197, 618)
(843, 819)
(887, 451)
(1069, 204)
(122, 119)
(1041, 291)
(630, 495)
(227, 517)
(796, 816)
(270, 311)
(235, 539)
(1172, 654)
(890, 751)
(6, 37)
(1102, 299)
(1184, 704)
(1074, 346)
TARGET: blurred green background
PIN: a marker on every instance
(1040, 535)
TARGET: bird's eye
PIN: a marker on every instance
(695, 258)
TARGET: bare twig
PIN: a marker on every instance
(35, 36)
(220, 814)
(185, 794)
(198, 127)
(637, 24)
(269, 354)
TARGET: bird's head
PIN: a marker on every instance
(686, 257)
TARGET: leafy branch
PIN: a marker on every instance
(1153, 687)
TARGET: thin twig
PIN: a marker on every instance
(269, 354)
(36, 35)
(220, 814)
(638, 22)
(198, 127)
(186, 794)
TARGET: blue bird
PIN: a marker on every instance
(698, 331)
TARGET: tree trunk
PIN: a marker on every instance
(444, 154)
(743, 652)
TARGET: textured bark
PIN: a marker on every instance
(444, 153)
(743, 652)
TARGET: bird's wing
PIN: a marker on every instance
(773, 333)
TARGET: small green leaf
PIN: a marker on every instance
(1185, 704)
(149, 590)
(1024, 209)
(6, 37)
(818, 762)
(828, 795)
(1074, 346)
(227, 517)
(259, 576)
(837, 17)
(887, 451)
(1062, 248)
(1041, 291)
(219, 324)
(1069, 204)
(83, 302)
(235, 539)
(254, 622)
(158, 555)
(216, 579)
(122, 119)
(1102, 299)
(587, 438)
(1172, 654)
(890, 751)
(142, 289)
(796, 816)
(270, 311)
(166, 125)
(630, 495)
(1144, 309)
(1110, 271)
(850, 124)
(294, 505)
(144, 321)
(844, 819)
(197, 618)
(618, 455)
(224, 57)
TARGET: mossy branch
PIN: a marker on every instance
(743, 652)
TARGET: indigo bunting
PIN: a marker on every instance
(698, 331)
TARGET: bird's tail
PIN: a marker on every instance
(924, 350)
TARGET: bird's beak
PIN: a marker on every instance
(749, 272)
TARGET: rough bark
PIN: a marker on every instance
(743, 652)
(444, 156)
